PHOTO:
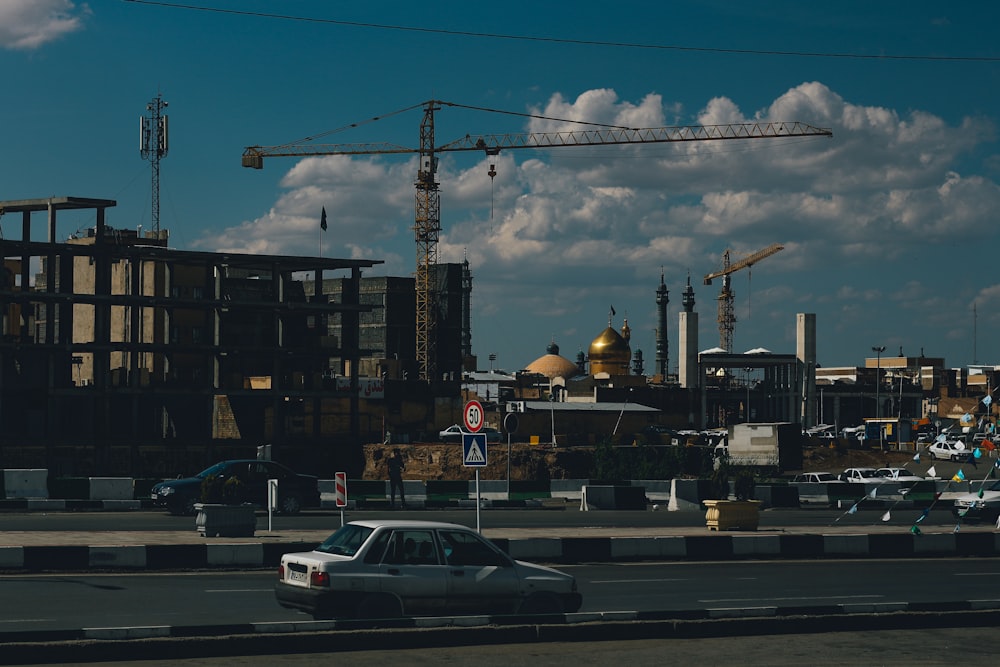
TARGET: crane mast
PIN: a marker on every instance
(727, 314)
(427, 213)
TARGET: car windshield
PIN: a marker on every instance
(346, 541)
(867, 473)
(212, 470)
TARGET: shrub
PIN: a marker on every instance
(225, 490)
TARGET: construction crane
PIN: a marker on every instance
(427, 217)
(727, 317)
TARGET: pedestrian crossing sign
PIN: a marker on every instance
(474, 450)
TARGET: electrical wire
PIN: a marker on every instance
(562, 40)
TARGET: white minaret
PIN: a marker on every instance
(687, 342)
(805, 350)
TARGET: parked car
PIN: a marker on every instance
(455, 432)
(948, 449)
(386, 569)
(972, 506)
(898, 475)
(660, 434)
(816, 478)
(861, 475)
(295, 491)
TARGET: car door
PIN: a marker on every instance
(412, 570)
(479, 577)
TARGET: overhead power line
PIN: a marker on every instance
(562, 40)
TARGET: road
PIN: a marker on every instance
(69, 601)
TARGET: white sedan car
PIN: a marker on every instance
(861, 475)
(455, 432)
(898, 475)
(972, 506)
(387, 569)
(948, 449)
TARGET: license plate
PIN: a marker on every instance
(300, 577)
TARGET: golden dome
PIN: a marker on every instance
(552, 365)
(609, 353)
(609, 346)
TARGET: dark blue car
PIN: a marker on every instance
(248, 478)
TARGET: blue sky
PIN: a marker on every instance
(889, 228)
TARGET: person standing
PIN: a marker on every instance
(396, 467)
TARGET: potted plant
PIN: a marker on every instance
(743, 513)
(222, 512)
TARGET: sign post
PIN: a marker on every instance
(509, 425)
(474, 455)
(340, 481)
(474, 444)
(272, 500)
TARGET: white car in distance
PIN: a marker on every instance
(898, 475)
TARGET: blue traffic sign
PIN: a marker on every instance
(474, 450)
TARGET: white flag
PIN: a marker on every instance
(872, 493)
(931, 472)
(886, 517)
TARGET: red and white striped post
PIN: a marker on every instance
(340, 481)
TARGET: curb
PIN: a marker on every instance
(556, 550)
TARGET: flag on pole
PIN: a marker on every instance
(322, 220)
(613, 313)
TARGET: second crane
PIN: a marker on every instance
(727, 315)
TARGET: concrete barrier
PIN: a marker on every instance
(111, 488)
(686, 495)
(26, 483)
(568, 489)
(612, 498)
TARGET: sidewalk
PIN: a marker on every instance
(167, 550)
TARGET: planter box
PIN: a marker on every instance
(732, 514)
(225, 520)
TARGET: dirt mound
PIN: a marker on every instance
(833, 459)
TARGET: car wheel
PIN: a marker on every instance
(291, 504)
(541, 603)
(379, 606)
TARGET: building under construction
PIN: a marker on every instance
(123, 356)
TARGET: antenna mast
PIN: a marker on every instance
(153, 146)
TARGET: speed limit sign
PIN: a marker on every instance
(473, 416)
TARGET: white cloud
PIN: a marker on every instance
(571, 230)
(29, 24)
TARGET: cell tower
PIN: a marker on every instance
(153, 146)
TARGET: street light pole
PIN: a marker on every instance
(747, 415)
(878, 350)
